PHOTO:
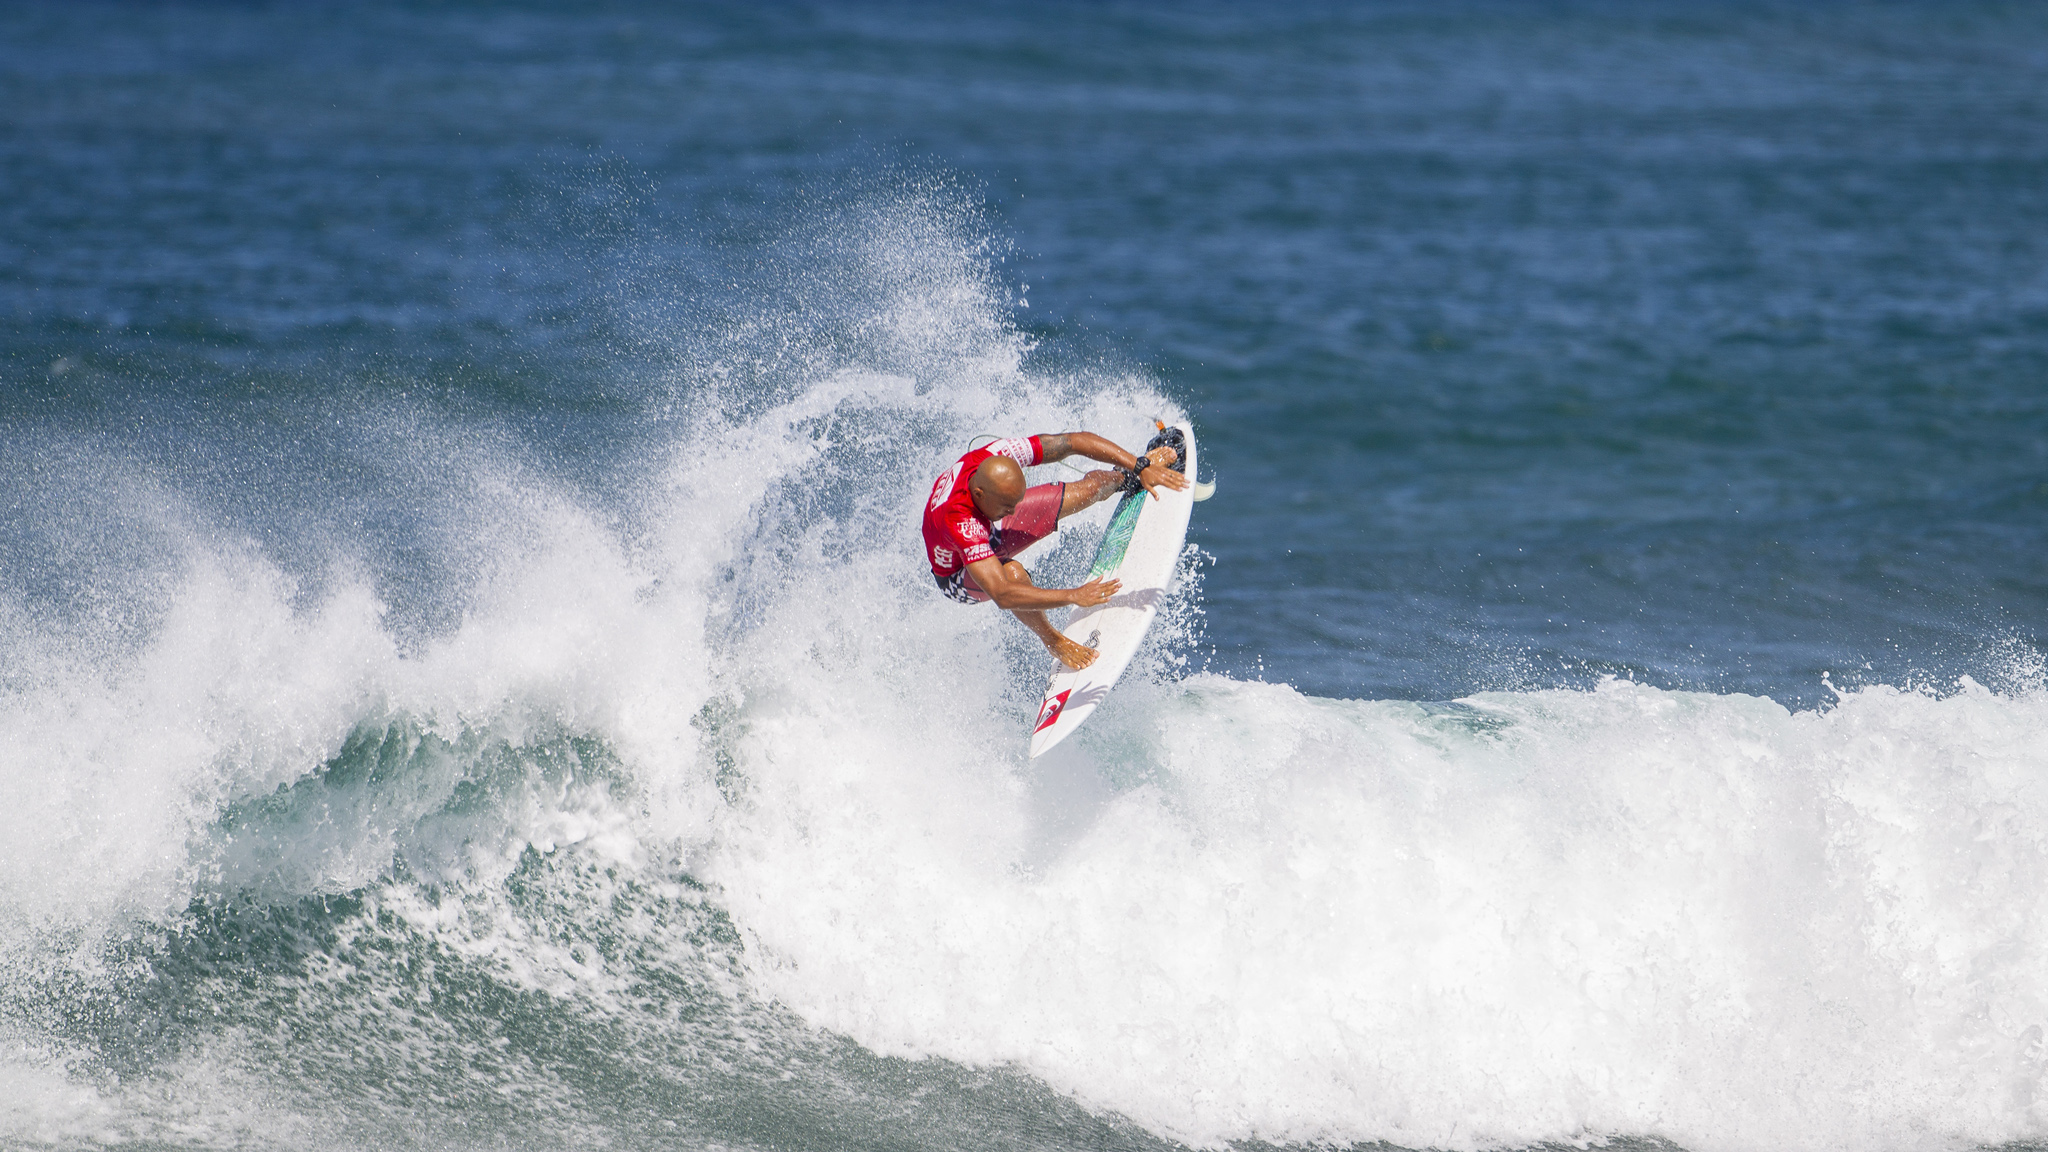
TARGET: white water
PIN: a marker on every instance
(1624, 911)
(1225, 910)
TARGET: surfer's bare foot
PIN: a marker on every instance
(1073, 655)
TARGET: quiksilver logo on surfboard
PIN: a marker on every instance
(1049, 711)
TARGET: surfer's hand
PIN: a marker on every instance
(1158, 473)
(1095, 592)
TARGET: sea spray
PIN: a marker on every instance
(291, 862)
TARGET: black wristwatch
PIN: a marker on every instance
(1131, 483)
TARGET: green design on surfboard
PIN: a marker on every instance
(1110, 552)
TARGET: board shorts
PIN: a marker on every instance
(1036, 516)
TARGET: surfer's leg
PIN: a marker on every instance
(1071, 654)
(1036, 516)
(1096, 487)
(1090, 490)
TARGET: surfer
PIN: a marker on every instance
(973, 529)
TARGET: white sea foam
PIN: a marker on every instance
(1225, 910)
(1544, 916)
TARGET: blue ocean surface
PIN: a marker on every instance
(468, 678)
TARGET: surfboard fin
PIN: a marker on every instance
(1204, 489)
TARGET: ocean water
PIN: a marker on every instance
(467, 679)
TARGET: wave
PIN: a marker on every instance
(710, 821)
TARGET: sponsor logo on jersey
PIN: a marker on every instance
(944, 487)
(942, 556)
(970, 530)
(1049, 712)
(1017, 448)
(979, 552)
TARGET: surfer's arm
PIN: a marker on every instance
(1060, 445)
(1005, 592)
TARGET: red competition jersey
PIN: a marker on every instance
(956, 534)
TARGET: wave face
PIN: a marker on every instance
(709, 823)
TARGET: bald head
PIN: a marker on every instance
(997, 486)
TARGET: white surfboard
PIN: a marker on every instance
(1141, 547)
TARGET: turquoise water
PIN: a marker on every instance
(468, 681)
